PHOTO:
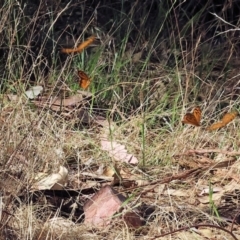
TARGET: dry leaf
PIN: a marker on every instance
(115, 150)
(218, 192)
(58, 104)
(206, 190)
(118, 152)
(59, 224)
(176, 192)
(107, 173)
(114, 173)
(206, 232)
(55, 181)
(13, 97)
(33, 92)
(215, 198)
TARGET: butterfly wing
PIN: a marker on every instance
(197, 113)
(85, 43)
(84, 80)
(193, 118)
(216, 126)
(81, 46)
(189, 118)
(228, 117)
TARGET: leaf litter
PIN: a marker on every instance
(104, 198)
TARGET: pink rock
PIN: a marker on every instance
(103, 205)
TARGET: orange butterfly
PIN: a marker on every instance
(193, 118)
(80, 48)
(84, 80)
(227, 118)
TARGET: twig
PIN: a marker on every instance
(183, 175)
(236, 215)
(201, 151)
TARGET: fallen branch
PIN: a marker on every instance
(184, 175)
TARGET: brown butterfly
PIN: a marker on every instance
(84, 80)
(81, 47)
(193, 118)
(227, 118)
